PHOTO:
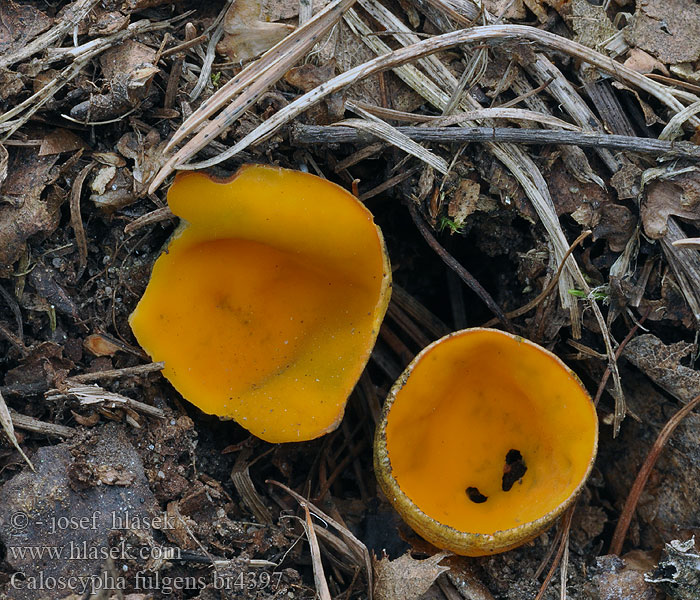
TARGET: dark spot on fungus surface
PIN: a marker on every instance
(513, 470)
(476, 496)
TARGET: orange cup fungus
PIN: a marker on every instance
(484, 441)
(268, 301)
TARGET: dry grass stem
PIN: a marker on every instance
(8, 427)
(248, 86)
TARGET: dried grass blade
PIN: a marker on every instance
(319, 576)
(393, 136)
(6, 422)
(268, 69)
(357, 547)
(436, 44)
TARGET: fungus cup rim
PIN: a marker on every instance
(445, 536)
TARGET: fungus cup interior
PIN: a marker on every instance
(268, 301)
(487, 433)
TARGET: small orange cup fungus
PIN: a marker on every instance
(267, 303)
(485, 439)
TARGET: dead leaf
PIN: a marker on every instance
(616, 224)
(406, 577)
(246, 35)
(20, 23)
(59, 141)
(307, 77)
(508, 9)
(662, 364)
(627, 181)
(640, 61)
(27, 214)
(129, 70)
(464, 202)
(591, 23)
(107, 22)
(666, 29)
(100, 345)
(47, 287)
(679, 196)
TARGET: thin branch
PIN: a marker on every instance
(643, 475)
(332, 134)
(464, 275)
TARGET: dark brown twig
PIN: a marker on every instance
(643, 475)
(618, 353)
(76, 219)
(331, 134)
(464, 275)
(548, 289)
(565, 528)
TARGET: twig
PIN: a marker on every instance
(618, 353)
(548, 288)
(319, 577)
(357, 548)
(338, 134)
(216, 33)
(389, 183)
(73, 15)
(155, 216)
(42, 427)
(76, 220)
(643, 475)
(464, 275)
(93, 394)
(420, 49)
(115, 373)
(8, 427)
(563, 544)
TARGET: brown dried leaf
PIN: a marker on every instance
(19, 24)
(662, 364)
(642, 62)
(406, 577)
(616, 224)
(246, 35)
(464, 202)
(666, 29)
(100, 345)
(107, 22)
(679, 196)
(591, 24)
(129, 70)
(59, 141)
(26, 214)
(508, 9)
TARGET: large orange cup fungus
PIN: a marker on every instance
(484, 441)
(267, 303)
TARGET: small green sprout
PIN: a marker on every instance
(600, 293)
(447, 223)
(215, 79)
